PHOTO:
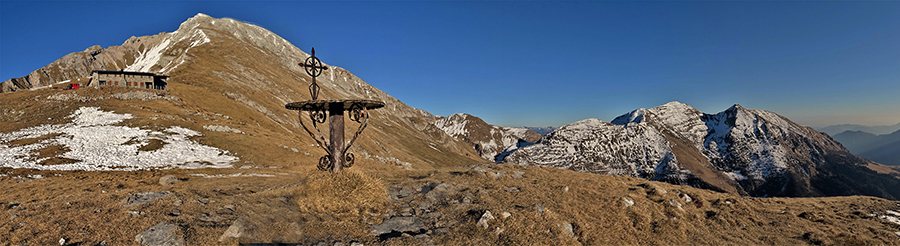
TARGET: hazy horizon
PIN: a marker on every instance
(542, 63)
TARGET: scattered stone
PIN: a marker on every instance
(175, 212)
(480, 170)
(511, 189)
(498, 230)
(499, 174)
(398, 224)
(201, 201)
(505, 214)
(143, 198)
(659, 191)
(897, 233)
(517, 174)
(356, 244)
(686, 198)
(567, 228)
(135, 213)
(627, 201)
(13, 205)
(338, 243)
(566, 189)
(160, 234)
(210, 218)
(218, 128)
(178, 202)
(62, 241)
(676, 204)
(437, 192)
(168, 180)
(467, 200)
(539, 208)
(13, 216)
(483, 222)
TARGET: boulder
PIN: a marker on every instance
(143, 198)
(161, 234)
(168, 180)
(398, 224)
(627, 201)
(483, 222)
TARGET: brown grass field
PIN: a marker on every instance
(295, 203)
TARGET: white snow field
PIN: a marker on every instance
(98, 144)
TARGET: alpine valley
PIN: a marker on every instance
(217, 159)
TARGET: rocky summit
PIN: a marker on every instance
(217, 159)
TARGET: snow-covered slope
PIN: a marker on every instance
(759, 152)
(492, 142)
(95, 141)
(595, 146)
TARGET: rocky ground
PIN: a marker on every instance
(486, 204)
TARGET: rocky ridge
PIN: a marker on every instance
(740, 150)
(491, 142)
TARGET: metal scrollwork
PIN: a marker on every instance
(349, 160)
(320, 140)
(325, 163)
(357, 112)
(318, 115)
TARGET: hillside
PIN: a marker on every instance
(230, 74)
(855, 141)
(217, 160)
(877, 130)
(879, 148)
(739, 150)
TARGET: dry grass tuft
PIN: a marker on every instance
(344, 195)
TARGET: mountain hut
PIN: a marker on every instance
(128, 79)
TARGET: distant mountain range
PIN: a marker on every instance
(877, 130)
(884, 149)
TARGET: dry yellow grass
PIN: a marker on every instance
(297, 203)
(345, 195)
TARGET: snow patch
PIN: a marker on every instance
(149, 58)
(892, 216)
(96, 144)
(736, 175)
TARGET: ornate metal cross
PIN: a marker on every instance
(314, 68)
(336, 157)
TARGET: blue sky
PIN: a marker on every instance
(541, 63)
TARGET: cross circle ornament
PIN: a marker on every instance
(313, 66)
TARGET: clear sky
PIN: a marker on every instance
(541, 63)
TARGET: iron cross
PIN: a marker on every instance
(314, 68)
